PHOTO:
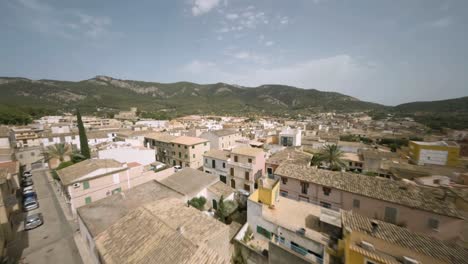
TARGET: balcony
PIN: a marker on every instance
(239, 164)
(299, 250)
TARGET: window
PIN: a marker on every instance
(193, 155)
(247, 175)
(213, 164)
(85, 185)
(172, 144)
(204, 144)
(178, 146)
(326, 191)
(284, 180)
(87, 200)
(390, 215)
(224, 165)
(247, 187)
(262, 231)
(236, 159)
(232, 171)
(32, 154)
(233, 183)
(433, 223)
(284, 193)
(185, 147)
(304, 187)
(356, 203)
(206, 161)
(180, 155)
(118, 190)
(250, 160)
(222, 178)
(186, 156)
(325, 204)
(193, 147)
(303, 198)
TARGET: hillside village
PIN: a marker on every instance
(326, 188)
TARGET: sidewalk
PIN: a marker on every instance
(80, 244)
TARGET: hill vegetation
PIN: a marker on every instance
(23, 99)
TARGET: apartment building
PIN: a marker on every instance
(291, 231)
(422, 210)
(215, 162)
(23, 137)
(245, 166)
(91, 180)
(444, 153)
(8, 205)
(222, 139)
(183, 151)
(371, 241)
(6, 151)
(119, 228)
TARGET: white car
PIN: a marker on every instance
(177, 168)
(28, 189)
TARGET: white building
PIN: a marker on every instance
(290, 137)
(126, 154)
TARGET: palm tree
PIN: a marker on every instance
(330, 154)
(58, 151)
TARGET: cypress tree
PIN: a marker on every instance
(83, 138)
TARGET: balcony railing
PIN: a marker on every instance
(302, 251)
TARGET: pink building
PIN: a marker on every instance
(422, 210)
(244, 166)
(94, 179)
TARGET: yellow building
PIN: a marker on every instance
(368, 241)
(268, 191)
(438, 153)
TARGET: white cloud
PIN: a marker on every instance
(242, 55)
(197, 67)
(269, 43)
(201, 7)
(442, 22)
(68, 23)
(232, 16)
(284, 20)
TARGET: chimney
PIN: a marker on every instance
(374, 225)
(181, 230)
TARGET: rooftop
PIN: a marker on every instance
(100, 215)
(247, 151)
(375, 187)
(189, 181)
(437, 143)
(4, 131)
(164, 231)
(161, 137)
(185, 140)
(69, 174)
(224, 132)
(403, 237)
(291, 155)
(221, 189)
(351, 157)
(11, 166)
(217, 154)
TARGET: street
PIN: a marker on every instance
(53, 241)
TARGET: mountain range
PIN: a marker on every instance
(110, 95)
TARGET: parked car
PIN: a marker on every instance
(27, 174)
(28, 189)
(30, 203)
(29, 194)
(33, 221)
(27, 182)
(177, 168)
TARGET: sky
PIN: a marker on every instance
(384, 51)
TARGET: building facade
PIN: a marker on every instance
(444, 153)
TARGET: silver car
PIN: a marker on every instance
(30, 203)
(33, 221)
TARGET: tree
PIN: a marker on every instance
(221, 212)
(198, 202)
(330, 154)
(83, 138)
(58, 151)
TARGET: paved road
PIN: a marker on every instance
(53, 241)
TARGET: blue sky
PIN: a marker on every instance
(388, 52)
